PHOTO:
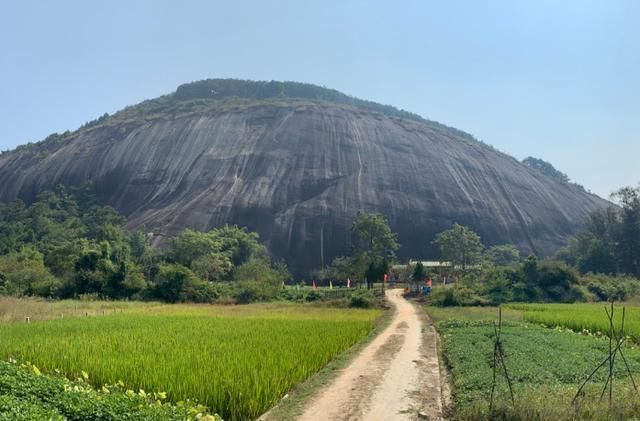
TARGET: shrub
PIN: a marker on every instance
(554, 273)
(604, 287)
(176, 283)
(534, 281)
(290, 294)
(545, 281)
(201, 292)
(362, 298)
(248, 292)
(314, 295)
(257, 281)
(455, 295)
(577, 293)
(498, 287)
(24, 273)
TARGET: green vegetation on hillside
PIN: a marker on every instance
(545, 168)
(232, 94)
(237, 88)
(237, 360)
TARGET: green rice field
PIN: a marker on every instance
(590, 318)
(236, 360)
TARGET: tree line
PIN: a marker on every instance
(601, 262)
(375, 245)
(66, 245)
(610, 240)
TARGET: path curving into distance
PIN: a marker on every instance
(396, 377)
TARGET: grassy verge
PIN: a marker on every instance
(294, 403)
(546, 366)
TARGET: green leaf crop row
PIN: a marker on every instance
(546, 366)
(26, 394)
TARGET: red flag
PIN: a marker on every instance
(386, 277)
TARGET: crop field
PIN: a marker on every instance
(236, 360)
(14, 309)
(546, 366)
(579, 317)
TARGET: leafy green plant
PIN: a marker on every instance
(27, 394)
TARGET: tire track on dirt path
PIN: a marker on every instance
(396, 377)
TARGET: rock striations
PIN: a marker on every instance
(296, 163)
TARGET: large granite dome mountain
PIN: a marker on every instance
(296, 162)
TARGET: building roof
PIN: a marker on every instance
(431, 263)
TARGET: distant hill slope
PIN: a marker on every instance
(296, 162)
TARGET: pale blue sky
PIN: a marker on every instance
(559, 80)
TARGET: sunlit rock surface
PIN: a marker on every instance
(297, 170)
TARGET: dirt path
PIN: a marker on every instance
(396, 377)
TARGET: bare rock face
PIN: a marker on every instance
(297, 170)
